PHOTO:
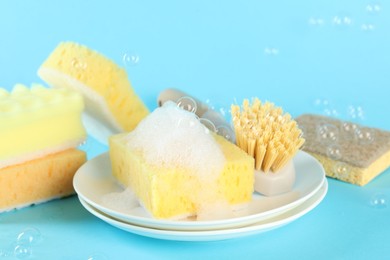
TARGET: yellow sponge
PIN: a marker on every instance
(39, 180)
(38, 121)
(173, 193)
(107, 92)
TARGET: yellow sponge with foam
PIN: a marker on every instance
(174, 193)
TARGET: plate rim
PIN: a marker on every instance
(194, 225)
(213, 235)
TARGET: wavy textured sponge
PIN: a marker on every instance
(38, 121)
(39, 130)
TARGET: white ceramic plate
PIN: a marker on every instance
(94, 180)
(222, 234)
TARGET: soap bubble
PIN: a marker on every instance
(208, 125)
(333, 152)
(327, 133)
(316, 21)
(271, 51)
(355, 113)
(378, 201)
(22, 251)
(321, 102)
(348, 127)
(364, 135)
(29, 236)
(187, 103)
(224, 112)
(226, 132)
(331, 112)
(348, 130)
(341, 170)
(342, 20)
(130, 59)
(373, 8)
(368, 27)
(78, 64)
(321, 105)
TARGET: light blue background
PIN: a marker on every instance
(292, 53)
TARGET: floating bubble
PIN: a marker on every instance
(209, 104)
(187, 103)
(316, 21)
(271, 51)
(348, 127)
(130, 59)
(29, 236)
(226, 132)
(341, 170)
(360, 112)
(22, 251)
(364, 135)
(373, 8)
(321, 102)
(331, 112)
(208, 125)
(351, 111)
(378, 201)
(342, 20)
(355, 113)
(78, 64)
(327, 133)
(348, 130)
(223, 111)
(322, 106)
(367, 27)
(333, 152)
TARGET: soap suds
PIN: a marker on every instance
(171, 137)
(121, 201)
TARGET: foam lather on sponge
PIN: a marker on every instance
(107, 92)
(177, 168)
(348, 151)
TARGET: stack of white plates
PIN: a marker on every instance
(94, 180)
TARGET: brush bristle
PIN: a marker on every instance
(264, 132)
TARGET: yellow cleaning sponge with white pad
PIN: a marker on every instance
(105, 86)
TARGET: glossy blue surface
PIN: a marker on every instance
(296, 54)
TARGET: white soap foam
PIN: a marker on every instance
(172, 137)
(214, 211)
(121, 201)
